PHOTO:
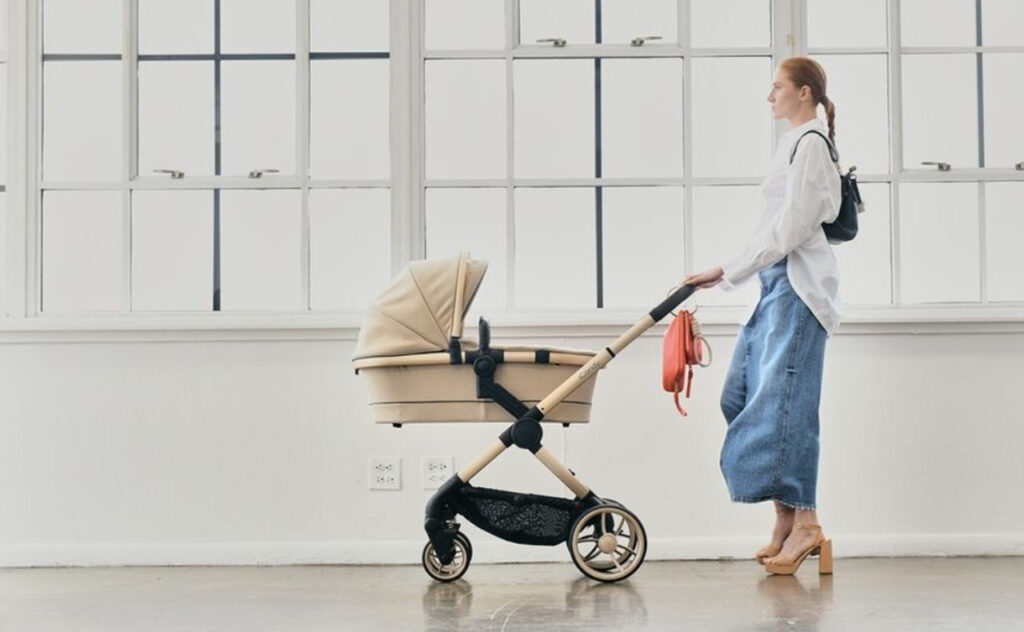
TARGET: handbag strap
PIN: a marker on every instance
(832, 151)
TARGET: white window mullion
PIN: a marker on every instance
(896, 143)
(31, 261)
(683, 35)
(129, 138)
(19, 171)
(302, 142)
(511, 42)
(408, 239)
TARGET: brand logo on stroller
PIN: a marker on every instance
(588, 370)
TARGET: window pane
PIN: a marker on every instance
(939, 251)
(172, 250)
(257, 26)
(175, 26)
(1001, 22)
(865, 267)
(260, 250)
(643, 244)
(82, 120)
(455, 24)
(3, 130)
(348, 25)
(858, 85)
(1004, 223)
(642, 118)
(466, 119)
(940, 124)
(555, 226)
(724, 219)
(472, 220)
(349, 119)
(73, 26)
(1004, 126)
(349, 246)
(258, 116)
(732, 130)
(921, 25)
(571, 20)
(721, 23)
(176, 125)
(622, 20)
(554, 112)
(82, 235)
(835, 23)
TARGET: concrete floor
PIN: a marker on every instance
(864, 594)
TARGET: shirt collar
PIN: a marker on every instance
(814, 123)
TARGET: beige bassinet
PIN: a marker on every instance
(412, 354)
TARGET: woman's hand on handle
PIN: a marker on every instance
(706, 279)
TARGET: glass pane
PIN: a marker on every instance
(622, 20)
(258, 116)
(466, 119)
(643, 244)
(732, 124)
(835, 23)
(3, 252)
(642, 118)
(939, 123)
(1004, 126)
(82, 120)
(172, 250)
(1004, 224)
(3, 130)
(724, 218)
(722, 23)
(257, 26)
(571, 20)
(175, 26)
(349, 246)
(82, 246)
(349, 119)
(465, 24)
(261, 259)
(921, 25)
(554, 118)
(472, 220)
(73, 26)
(865, 266)
(348, 25)
(176, 124)
(554, 226)
(859, 87)
(937, 220)
(1001, 22)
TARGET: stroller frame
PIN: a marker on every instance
(587, 519)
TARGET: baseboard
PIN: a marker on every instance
(486, 549)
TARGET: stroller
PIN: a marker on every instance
(419, 369)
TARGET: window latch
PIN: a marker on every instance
(557, 41)
(1019, 166)
(258, 173)
(175, 175)
(943, 166)
(639, 41)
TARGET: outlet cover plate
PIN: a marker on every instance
(385, 472)
(435, 470)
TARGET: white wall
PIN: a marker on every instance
(256, 452)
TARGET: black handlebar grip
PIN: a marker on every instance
(672, 302)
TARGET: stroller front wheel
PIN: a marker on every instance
(607, 543)
(453, 570)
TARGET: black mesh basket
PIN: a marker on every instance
(520, 518)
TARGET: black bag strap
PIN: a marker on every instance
(831, 149)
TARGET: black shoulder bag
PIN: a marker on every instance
(845, 226)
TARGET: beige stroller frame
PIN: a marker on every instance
(419, 369)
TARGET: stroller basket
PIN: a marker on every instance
(520, 518)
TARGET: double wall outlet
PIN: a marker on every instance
(435, 470)
(385, 472)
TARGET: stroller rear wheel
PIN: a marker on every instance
(453, 570)
(607, 543)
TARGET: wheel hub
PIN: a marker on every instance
(607, 543)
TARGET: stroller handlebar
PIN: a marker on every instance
(673, 301)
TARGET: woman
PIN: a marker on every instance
(772, 390)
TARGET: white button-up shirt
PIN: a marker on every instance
(798, 197)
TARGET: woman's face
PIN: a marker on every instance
(785, 97)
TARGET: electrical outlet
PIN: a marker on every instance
(385, 472)
(435, 470)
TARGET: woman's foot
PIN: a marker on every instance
(805, 533)
(783, 525)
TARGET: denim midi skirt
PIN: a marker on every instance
(770, 399)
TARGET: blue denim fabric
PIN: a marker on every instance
(770, 399)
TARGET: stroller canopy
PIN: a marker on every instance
(421, 309)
